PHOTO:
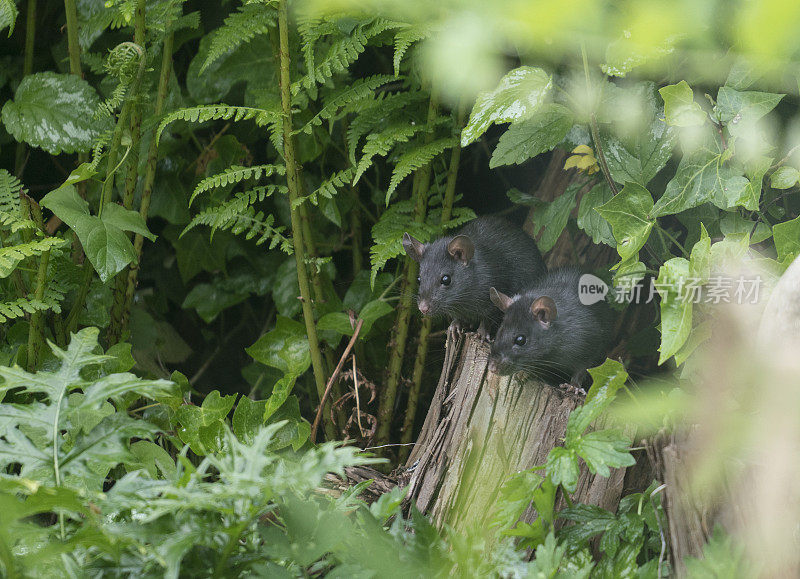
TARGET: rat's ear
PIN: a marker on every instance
(414, 248)
(461, 248)
(500, 299)
(544, 310)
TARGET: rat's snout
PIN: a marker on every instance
(493, 366)
(424, 306)
(498, 365)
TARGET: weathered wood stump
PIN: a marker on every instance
(482, 428)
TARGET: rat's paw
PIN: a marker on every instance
(483, 333)
(455, 328)
(572, 389)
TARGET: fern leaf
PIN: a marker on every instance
(8, 15)
(11, 256)
(381, 143)
(359, 90)
(203, 113)
(417, 157)
(379, 113)
(14, 223)
(328, 188)
(51, 301)
(403, 41)
(235, 174)
(10, 188)
(239, 28)
(311, 29)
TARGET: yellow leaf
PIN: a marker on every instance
(572, 162)
(583, 149)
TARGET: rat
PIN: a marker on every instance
(457, 270)
(550, 333)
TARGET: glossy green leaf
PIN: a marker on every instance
(680, 109)
(590, 220)
(126, 220)
(54, 112)
(784, 177)
(518, 95)
(739, 110)
(676, 313)
(544, 129)
(607, 379)
(787, 240)
(628, 213)
(284, 348)
(201, 425)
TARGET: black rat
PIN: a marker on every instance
(548, 332)
(457, 270)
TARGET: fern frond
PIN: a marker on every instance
(8, 15)
(417, 157)
(239, 28)
(387, 233)
(403, 41)
(203, 113)
(13, 222)
(378, 113)
(381, 143)
(12, 255)
(311, 29)
(10, 188)
(359, 90)
(51, 301)
(328, 188)
(235, 174)
(238, 217)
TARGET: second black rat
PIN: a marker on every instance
(548, 332)
(457, 270)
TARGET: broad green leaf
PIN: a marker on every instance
(700, 257)
(750, 198)
(676, 313)
(628, 273)
(700, 334)
(733, 223)
(54, 112)
(628, 213)
(338, 322)
(515, 496)
(742, 75)
(680, 110)
(280, 392)
(519, 93)
(201, 426)
(153, 459)
(740, 110)
(209, 299)
(126, 220)
(295, 430)
(549, 219)
(704, 176)
(603, 449)
(607, 378)
(562, 468)
(787, 240)
(590, 220)
(544, 129)
(284, 348)
(634, 48)
(784, 177)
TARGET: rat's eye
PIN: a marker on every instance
(520, 340)
(419, 279)
(445, 279)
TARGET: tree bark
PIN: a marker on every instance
(482, 428)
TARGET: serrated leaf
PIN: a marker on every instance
(628, 213)
(417, 157)
(545, 128)
(590, 220)
(519, 93)
(680, 110)
(562, 468)
(550, 219)
(285, 348)
(54, 112)
(676, 313)
(604, 449)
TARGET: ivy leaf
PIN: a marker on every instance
(787, 240)
(201, 426)
(590, 220)
(704, 176)
(54, 112)
(739, 110)
(676, 313)
(784, 177)
(544, 129)
(628, 213)
(248, 418)
(518, 95)
(153, 459)
(285, 347)
(607, 378)
(562, 468)
(551, 218)
(733, 223)
(700, 257)
(680, 110)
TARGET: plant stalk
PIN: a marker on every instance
(27, 68)
(419, 196)
(35, 337)
(293, 184)
(425, 329)
(73, 45)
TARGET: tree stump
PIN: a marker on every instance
(480, 429)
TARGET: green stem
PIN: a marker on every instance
(425, 330)
(293, 184)
(35, 337)
(419, 196)
(598, 149)
(114, 331)
(27, 68)
(73, 45)
(149, 177)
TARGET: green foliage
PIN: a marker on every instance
(8, 15)
(205, 113)
(538, 133)
(249, 21)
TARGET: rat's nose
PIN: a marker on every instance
(424, 306)
(493, 366)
